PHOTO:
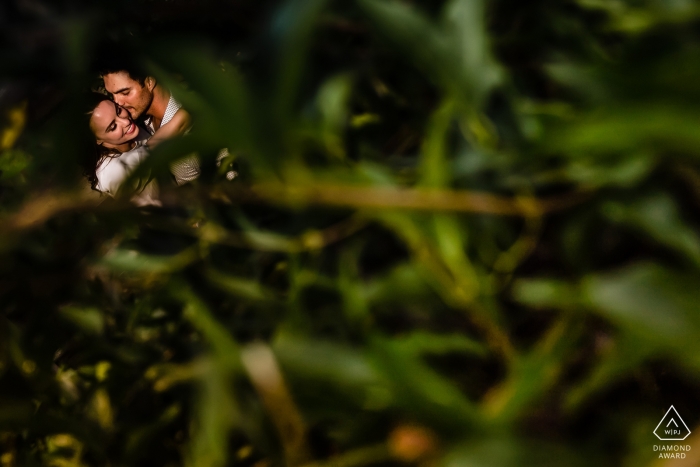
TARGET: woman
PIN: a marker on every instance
(121, 147)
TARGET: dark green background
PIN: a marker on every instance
(464, 233)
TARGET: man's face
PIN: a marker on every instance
(129, 93)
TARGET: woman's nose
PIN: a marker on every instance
(123, 121)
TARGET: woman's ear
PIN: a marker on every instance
(150, 83)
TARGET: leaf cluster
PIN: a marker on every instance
(462, 233)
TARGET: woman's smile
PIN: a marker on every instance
(112, 125)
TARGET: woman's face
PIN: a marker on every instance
(112, 125)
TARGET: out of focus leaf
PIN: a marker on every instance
(418, 343)
(624, 355)
(651, 302)
(434, 164)
(12, 163)
(88, 319)
(624, 173)
(432, 398)
(404, 283)
(134, 261)
(332, 101)
(533, 374)
(655, 126)
(347, 371)
(241, 287)
(546, 293)
(382, 280)
(658, 216)
(17, 117)
(449, 52)
(292, 27)
(214, 417)
(469, 40)
(511, 452)
(140, 439)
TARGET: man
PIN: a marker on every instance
(146, 99)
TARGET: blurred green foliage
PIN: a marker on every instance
(464, 233)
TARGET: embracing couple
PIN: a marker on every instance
(140, 114)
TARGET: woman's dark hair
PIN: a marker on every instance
(95, 154)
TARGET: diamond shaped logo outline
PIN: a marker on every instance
(672, 408)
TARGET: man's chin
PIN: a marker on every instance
(133, 113)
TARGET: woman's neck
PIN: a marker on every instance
(124, 147)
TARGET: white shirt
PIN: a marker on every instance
(170, 111)
(113, 171)
(184, 170)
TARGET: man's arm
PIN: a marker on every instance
(180, 122)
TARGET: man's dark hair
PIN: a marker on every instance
(113, 60)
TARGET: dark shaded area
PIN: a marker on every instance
(462, 233)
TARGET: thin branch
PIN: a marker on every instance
(405, 198)
(42, 207)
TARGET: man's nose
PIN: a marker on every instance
(119, 100)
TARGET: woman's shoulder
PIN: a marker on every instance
(108, 170)
(114, 168)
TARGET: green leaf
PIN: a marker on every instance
(89, 320)
(332, 102)
(412, 31)
(434, 165)
(464, 24)
(12, 163)
(533, 374)
(402, 284)
(452, 245)
(430, 397)
(292, 28)
(653, 303)
(624, 173)
(512, 452)
(453, 53)
(135, 261)
(627, 128)
(240, 287)
(624, 355)
(422, 342)
(546, 293)
(658, 216)
(347, 371)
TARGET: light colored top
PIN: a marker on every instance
(113, 171)
(170, 110)
(188, 169)
(184, 170)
